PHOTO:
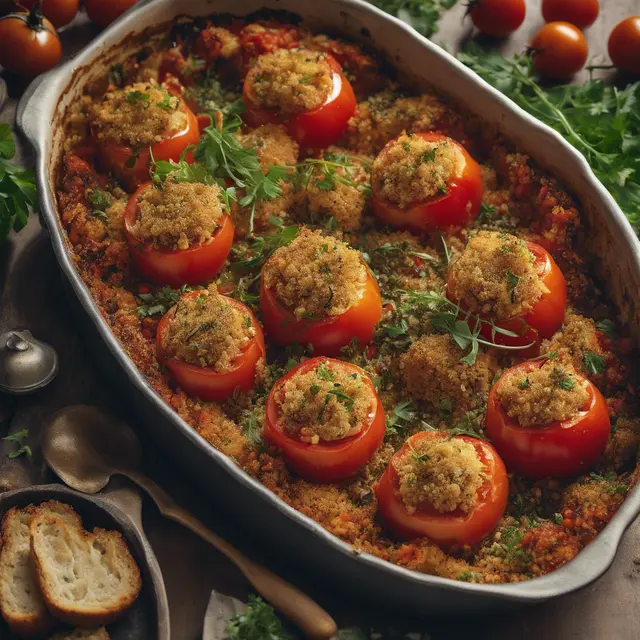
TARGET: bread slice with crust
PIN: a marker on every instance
(86, 579)
(82, 634)
(21, 604)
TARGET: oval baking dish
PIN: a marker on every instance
(612, 239)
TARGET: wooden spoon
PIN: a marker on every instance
(85, 447)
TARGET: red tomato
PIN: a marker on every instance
(447, 530)
(175, 267)
(456, 208)
(327, 335)
(325, 461)
(60, 12)
(29, 44)
(559, 50)
(559, 449)
(546, 316)
(624, 45)
(204, 382)
(117, 158)
(318, 128)
(104, 12)
(497, 18)
(581, 13)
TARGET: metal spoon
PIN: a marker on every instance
(85, 447)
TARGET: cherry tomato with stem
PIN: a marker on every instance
(448, 530)
(326, 461)
(60, 12)
(497, 18)
(205, 382)
(624, 45)
(317, 128)
(29, 44)
(104, 12)
(562, 448)
(329, 334)
(581, 13)
(559, 50)
(175, 267)
(456, 208)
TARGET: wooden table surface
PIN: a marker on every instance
(32, 297)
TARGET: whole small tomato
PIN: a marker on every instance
(459, 204)
(175, 267)
(60, 12)
(497, 18)
(559, 50)
(29, 44)
(205, 382)
(581, 13)
(562, 448)
(317, 128)
(326, 461)
(104, 12)
(624, 45)
(454, 529)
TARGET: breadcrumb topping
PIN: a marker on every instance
(178, 214)
(440, 472)
(138, 115)
(543, 395)
(495, 275)
(432, 371)
(292, 81)
(315, 275)
(328, 403)
(412, 169)
(207, 331)
(273, 145)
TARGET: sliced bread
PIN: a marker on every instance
(21, 604)
(82, 634)
(86, 579)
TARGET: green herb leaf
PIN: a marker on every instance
(158, 303)
(608, 328)
(21, 448)
(593, 363)
(258, 622)
(422, 15)
(134, 97)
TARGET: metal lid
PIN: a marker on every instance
(26, 364)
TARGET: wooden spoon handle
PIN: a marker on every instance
(287, 599)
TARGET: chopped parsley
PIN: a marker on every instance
(593, 363)
(158, 303)
(562, 379)
(135, 97)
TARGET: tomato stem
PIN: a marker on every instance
(33, 18)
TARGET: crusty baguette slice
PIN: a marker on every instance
(82, 634)
(86, 579)
(21, 604)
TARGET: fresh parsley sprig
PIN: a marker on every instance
(325, 173)
(221, 153)
(262, 247)
(422, 15)
(452, 319)
(158, 303)
(601, 121)
(19, 438)
(17, 187)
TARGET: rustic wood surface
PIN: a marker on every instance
(32, 297)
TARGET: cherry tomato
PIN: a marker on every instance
(205, 382)
(175, 267)
(311, 129)
(624, 45)
(457, 207)
(581, 13)
(558, 449)
(559, 50)
(497, 18)
(544, 319)
(325, 461)
(29, 44)
(118, 158)
(104, 12)
(454, 529)
(327, 335)
(60, 12)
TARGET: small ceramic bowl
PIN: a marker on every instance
(148, 618)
